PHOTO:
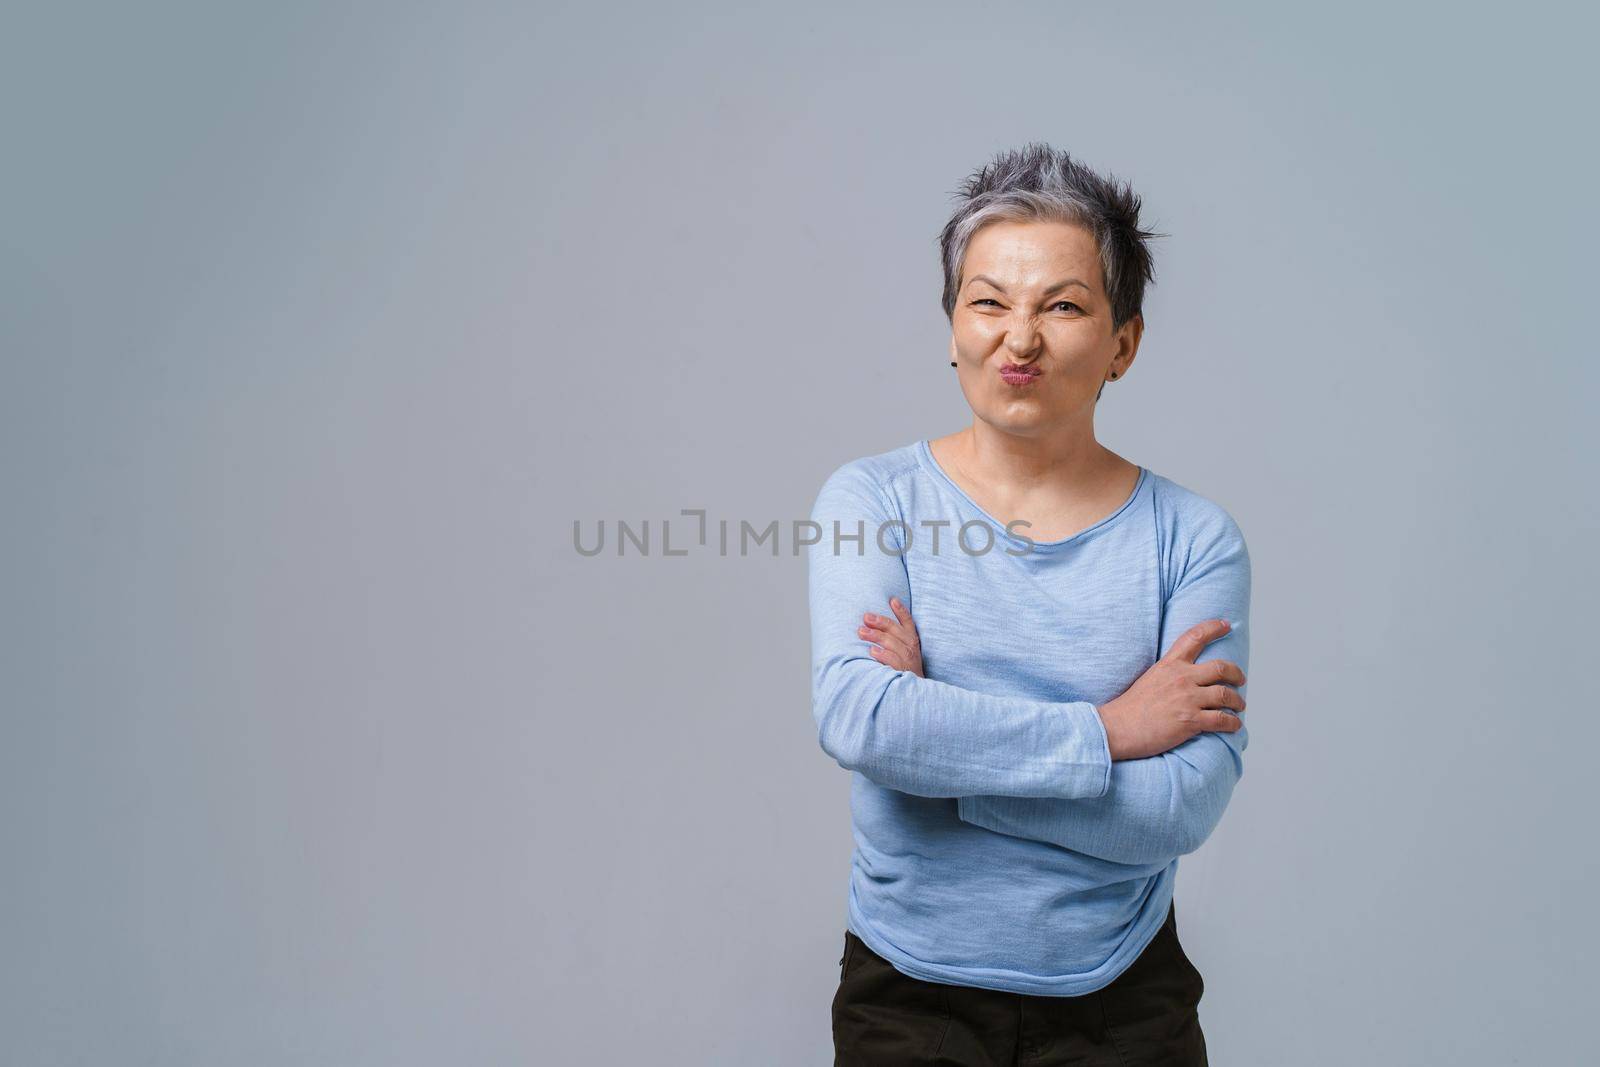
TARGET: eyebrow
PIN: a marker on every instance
(1054, 288)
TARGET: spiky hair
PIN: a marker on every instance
(1040, 183)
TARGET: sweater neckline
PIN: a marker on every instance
(925, 457)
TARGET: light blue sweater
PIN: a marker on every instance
(997, 844)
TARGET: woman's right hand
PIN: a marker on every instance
(1175, 699)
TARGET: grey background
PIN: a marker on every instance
(321, 326)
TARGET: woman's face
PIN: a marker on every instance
(1032, 298)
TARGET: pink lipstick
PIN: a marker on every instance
(1013, 374)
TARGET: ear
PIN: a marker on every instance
(1127, 344)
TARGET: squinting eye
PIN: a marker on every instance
(1067, 303)
(983, 300)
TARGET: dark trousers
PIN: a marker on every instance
(1147, 1015)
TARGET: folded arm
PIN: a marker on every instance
(919, 735)
(1161, 807)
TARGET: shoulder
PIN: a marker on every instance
(1195, 532)
(871, 477)
(1190, 515)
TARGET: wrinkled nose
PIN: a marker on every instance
(1022, 337)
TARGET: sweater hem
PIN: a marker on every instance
(1006, 981)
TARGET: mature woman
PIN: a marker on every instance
(1008, 625)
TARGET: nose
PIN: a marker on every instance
(1022, 336)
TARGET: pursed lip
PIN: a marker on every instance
(1014, 370)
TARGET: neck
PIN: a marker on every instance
(1062, 458)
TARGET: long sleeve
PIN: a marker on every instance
(919, 735)
(1164, 806)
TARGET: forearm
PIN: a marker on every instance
(1156, 808)
(933, 739)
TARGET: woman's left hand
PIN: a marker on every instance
(894, 641)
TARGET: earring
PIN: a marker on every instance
(1113, 375)
(952, 363)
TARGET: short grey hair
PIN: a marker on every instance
(1039, 183)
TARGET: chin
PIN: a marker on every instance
(1023, 423)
